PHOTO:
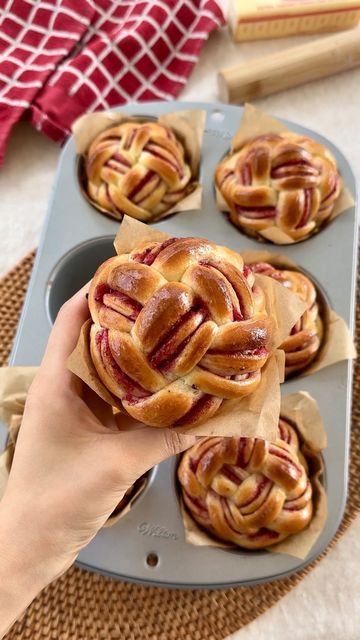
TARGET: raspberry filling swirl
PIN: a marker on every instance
(131, 389)
(117, 301)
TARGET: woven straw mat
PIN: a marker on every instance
(84, 606)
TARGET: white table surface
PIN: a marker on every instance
(326, 605)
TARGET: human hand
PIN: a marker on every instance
(73, 461)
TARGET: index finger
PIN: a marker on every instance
(66, 330)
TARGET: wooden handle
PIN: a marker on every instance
(290, 67)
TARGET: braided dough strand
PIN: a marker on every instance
(285, 180)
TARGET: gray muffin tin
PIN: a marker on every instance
(75, 240)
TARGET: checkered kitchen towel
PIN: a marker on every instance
(60, 58)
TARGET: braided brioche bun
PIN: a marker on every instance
(283, 180)
(137, 169)
(247, 491)
(304, 341)
(178, 326)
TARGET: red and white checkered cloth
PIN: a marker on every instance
(61, 58)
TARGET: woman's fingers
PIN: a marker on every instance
(65, 332)
(101, 410)
(144, 447)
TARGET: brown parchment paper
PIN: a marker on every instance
(337, 343)
(187, 125)
(301, 410)
(14, 387)
(256, 122)
(7, 455)
(256, 414)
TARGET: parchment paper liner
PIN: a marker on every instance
(256, 122)
(337, 343)
(14, 387)
(187, 125)
(256, 414)
(301, 410)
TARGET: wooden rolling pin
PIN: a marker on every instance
(290, 67)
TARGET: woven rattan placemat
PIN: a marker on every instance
(84, 606)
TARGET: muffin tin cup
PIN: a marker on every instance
(255, 123)
(148, 544)
(280, 262)
(133, 494)
(81, 174)
(91, 122)
(302, 413)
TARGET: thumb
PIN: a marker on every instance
(144, 447)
